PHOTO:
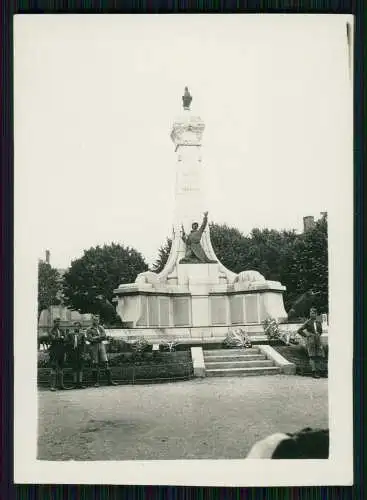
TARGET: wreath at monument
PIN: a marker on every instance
(237, 339)
(273, 331)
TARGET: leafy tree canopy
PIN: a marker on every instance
(49, 287)
(89, 282)
(163, 254)
(298, 261)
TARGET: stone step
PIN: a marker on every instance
(231, 352)
(240, 357)
(239, 364)
(242, 372)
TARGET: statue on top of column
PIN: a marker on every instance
(195, 253)
(186, 99)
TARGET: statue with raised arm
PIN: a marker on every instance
(195, 253)
(186, 99)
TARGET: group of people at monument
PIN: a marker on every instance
(77, 346)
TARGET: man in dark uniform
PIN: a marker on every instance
(96, 335)
(57, 355)
(77, 351)
(312, 330)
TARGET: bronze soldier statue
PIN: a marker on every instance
(186, 99)
(194, 251)
(96, 335)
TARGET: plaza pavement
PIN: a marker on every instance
(213, 418)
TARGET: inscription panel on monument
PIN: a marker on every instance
(263, 314)
(143, 320)
(153, 311)
(164, 311)
(251, 309)
(181, 311)
(218, 310)
(236, 307)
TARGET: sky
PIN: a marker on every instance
(96, 97)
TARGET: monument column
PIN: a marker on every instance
(186, 135)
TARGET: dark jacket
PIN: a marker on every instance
(312, 330)
(96, 334)
(312, 327)
(57, 336)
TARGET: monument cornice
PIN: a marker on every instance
(188, 131)
(152, 292)
(249, 291)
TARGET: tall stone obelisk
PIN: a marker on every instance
(190, 189)
(187, 132)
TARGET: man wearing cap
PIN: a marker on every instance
(78, 350)
(312, 330)
(96, 335)
(57, 355)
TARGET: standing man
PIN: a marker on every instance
(57, 355)
(312, 331)
(77, 349)
(96, 335)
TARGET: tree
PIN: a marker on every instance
(230, 246)
(49, 287)
(89, 282)
(310, 262)
(163, 254)
(299, 262)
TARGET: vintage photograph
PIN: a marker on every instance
(183, 221)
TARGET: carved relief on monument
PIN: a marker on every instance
(249, 276)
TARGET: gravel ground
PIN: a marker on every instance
(213, 418)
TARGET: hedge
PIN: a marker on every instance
(126, 368)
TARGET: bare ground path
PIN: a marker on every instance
(212, 418)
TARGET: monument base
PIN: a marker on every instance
(196, 302)
(188, 336)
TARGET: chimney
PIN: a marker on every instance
(308, 223)
(48, 256)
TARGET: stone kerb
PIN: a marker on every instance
(285, 366)
(198, 364)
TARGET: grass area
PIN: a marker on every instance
(297, 354)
